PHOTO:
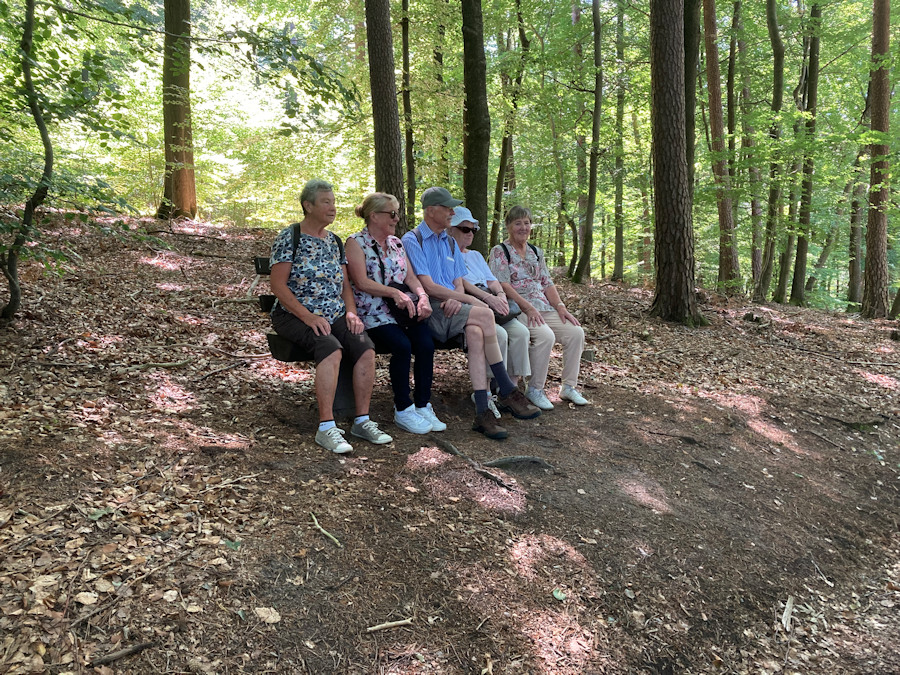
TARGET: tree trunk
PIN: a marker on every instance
(875, 294)
(476, 119)
(729, 271)
(787, 253)
(675, 298)
(408, 123)
(583, 269)
(645, 249)
(179, 190)
(9, 259)
(857, 214)
(798, 285)
(773, 209)
(619, 216)
(385, 116)
(691, 72)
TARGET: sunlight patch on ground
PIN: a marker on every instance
(192, 320)
(168, 396)
(646, 493)
(531, 552)
(776, 435)
(561, 645)
(450, 480)
(98, 341)
(881, 380)
(172, 288)
(752, 405)
(285, 372)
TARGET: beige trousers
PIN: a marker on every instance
(543, 337)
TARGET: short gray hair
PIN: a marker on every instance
(311, 191)
(517, 213)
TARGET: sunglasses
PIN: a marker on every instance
(466, 230)
(392, 214)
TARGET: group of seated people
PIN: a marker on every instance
(378, 292)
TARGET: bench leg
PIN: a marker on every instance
(344, 400)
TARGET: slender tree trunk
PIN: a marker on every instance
(443, 167)
(477, 119)
(798, 285)
(857, 216)
(408, 123)
(691, 22)
(583, 269)
(675, 298)
(645, 252)
(729, 270)
(619, 216)
(9, 259)
(875, 294)
(787, 253)
(385, 116)
(773, 207)
(179, 189)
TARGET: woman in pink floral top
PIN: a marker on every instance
(375, 259)
(522, 271)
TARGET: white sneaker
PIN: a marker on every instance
(538, 398)
(427, 414)
(567, 393)
(411, 421)
(333, 439)
(492, 405)
(369, 431)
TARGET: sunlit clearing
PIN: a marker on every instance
(645, 494)
(170, 397)
(561, 645)
(449, 479)
(532, 552)
(881, 380)
(171, 288)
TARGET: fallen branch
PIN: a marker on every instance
(121, 654)
(476, 466)
(228, 483)
(518, 459)
(219, 370)
(214, 349)
(324, 531)
(147, 366)
(389, 624)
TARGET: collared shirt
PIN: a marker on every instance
(435, 257)
(528, 275)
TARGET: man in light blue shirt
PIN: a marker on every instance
(440, 266)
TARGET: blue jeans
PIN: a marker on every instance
(402, 344)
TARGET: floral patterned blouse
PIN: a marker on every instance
(372, 309)
(317, 276)
(528, 275)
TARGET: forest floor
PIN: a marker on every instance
(727, 503)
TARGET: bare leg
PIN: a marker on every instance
(475, 343)
(326, 384)
(363, 380)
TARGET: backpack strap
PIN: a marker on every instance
(295, 240)
(530, 245)
(419, 239)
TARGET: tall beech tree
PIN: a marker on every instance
(179, 188)
(385, 116)
(675, 299)
(875, 303)
(476, 119)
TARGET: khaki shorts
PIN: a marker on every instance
(444, 328)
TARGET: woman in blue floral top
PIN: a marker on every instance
(316, 310)
(376, 259)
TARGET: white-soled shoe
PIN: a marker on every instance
(538, 398)
(492, 405)
(427, 414)
(333, 439)
(411, 421)
(567, 393)
(369, 431)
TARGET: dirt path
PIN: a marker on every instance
(727, 503)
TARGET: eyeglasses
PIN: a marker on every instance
(466, 230)
(392, 214)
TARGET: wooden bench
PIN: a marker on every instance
(286, 351)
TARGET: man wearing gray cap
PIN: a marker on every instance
(440, 266)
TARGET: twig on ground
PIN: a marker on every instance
(228, 483)
(324, 531)
(477, 466)
(56, 348)
(389, 624)
(147, 366)
(121, 654)
(219, 370)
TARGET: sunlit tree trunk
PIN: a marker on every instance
(409, 148)
(675, 298)
(385, 116)
(875, 292)
(804, 230)
(583, 269)
(179, 189)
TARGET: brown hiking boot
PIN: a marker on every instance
(518, 405)
(486, 424)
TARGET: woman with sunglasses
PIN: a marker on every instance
(375, 260)
(512, 336)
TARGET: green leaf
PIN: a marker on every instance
(558, 594)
